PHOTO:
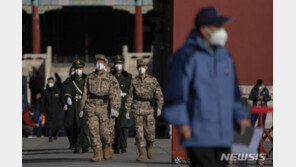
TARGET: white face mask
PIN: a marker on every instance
(78, 72)
(100, 66)
(73, 72)
(105, 69)
(50, 85)
(118, 67)
(219, 37)
(142, 70)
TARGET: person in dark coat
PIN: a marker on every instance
(58, 81)
(121, 123)
(52, 102)
(260, 96)
(36, 86)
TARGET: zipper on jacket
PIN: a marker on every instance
(218, 96)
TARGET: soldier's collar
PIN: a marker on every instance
(143, 77)
(97, 72)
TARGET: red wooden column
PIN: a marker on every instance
(36, 42)
(138, 28)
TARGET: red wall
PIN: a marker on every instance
(250, 33)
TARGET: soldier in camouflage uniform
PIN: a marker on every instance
(144, 98)
(101, 90)
(73, 93)
(121, 124)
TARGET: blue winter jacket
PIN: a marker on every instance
(203, 92)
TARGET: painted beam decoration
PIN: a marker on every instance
(88, 2)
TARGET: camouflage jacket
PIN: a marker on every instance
(104, 84)
(143, 88)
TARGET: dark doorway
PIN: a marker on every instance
(72, 31)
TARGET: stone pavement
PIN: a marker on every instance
(38, 152)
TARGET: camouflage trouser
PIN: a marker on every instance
(112, 126)
(145, 129)
(99, 128)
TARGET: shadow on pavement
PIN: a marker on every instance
(49, 149)
(41, 160)
(40, 153)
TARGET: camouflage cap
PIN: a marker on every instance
(101, 57)
(141, 62)
(78, 63)
(118, 59)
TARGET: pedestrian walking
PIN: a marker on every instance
(73, 94)
(143, 99)
(68, 116)
(52, 103)
(203, 99)
(121, 123)
(101, 89)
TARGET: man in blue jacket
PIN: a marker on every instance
(203, 97)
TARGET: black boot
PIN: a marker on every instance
(123, 150)
(84, 150)
(50, 139)
(76, 150)
(71, 147)
(116, 151)
(55, 137)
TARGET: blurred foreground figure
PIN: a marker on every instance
(101, 92)
(143, 99)
(203, 99)
(52, 103)
(260, 96)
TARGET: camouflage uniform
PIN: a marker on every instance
(141, 94)
(100, 90)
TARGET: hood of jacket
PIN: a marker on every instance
(194, 39)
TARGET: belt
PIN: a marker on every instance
(152, 101)
(105, 98)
